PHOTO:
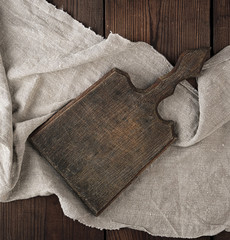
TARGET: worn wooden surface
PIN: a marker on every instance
(101, 141)
(127, 234)
(170, 26)
(221, 25)
(41, 218)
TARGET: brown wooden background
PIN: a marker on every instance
(170, 26)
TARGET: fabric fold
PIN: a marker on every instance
(7, 166)
(48, 58)
(209, 109)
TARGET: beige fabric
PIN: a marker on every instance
(47, 58)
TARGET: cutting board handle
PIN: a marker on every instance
(188, 66)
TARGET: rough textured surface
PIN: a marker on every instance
(195, 182)
(101, 141)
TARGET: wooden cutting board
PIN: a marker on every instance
(100, 141)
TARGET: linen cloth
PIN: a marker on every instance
(48, 58)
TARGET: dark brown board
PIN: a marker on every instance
(41, 218)
(12, 229)
(222, 236)
(221, 25)
(170, 26)
(128, 234)
(88, 12)
(104, 138)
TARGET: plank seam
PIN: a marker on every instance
(104, 18)
(211, 28)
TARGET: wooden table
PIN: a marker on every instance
(170, 26)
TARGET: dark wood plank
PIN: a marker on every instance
(59, 227)
(128, 234)
(19, 218)
(170, 26)
(88, 12)
(53, 221)
(41, 218)
(111, 132)
(222, 236)
(13, 229)
(221, 24)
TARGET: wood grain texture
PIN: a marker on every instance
(221, 24)
(104, 138)
(88, 12)
(60, 227)
(170, 26)
(41, 218)
(128, 234)
(13, 223)
(19, 218)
